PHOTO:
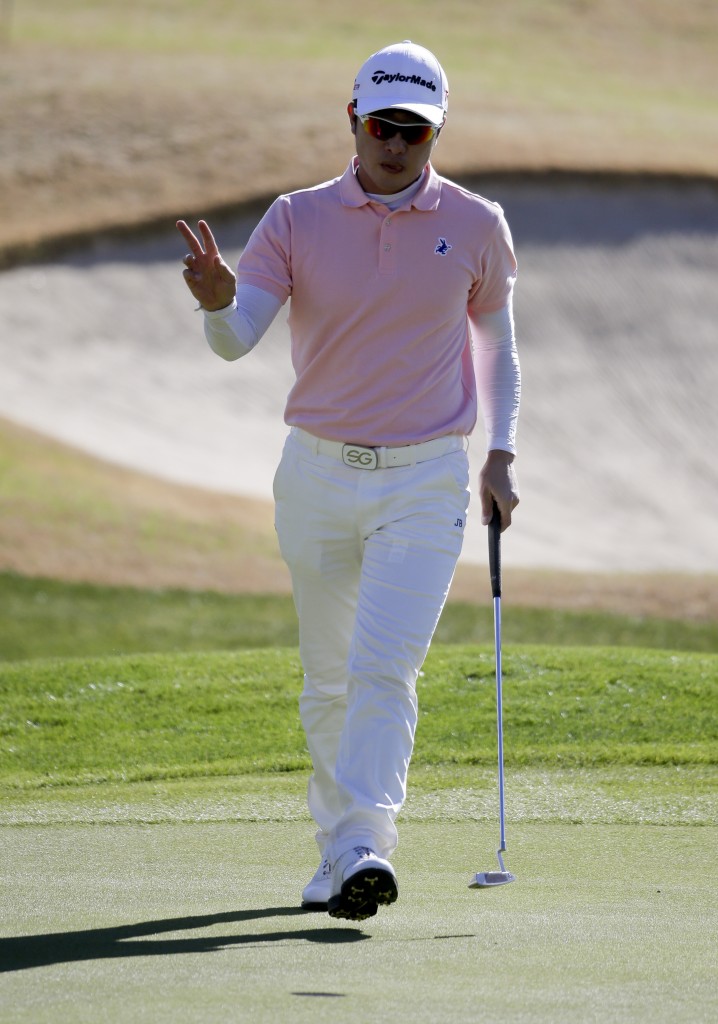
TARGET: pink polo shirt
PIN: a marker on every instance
(380, 335)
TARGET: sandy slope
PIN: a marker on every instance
(616, 312)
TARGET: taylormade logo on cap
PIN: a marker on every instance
(403, 76)
(381, 76)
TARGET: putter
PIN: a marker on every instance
(488, 879)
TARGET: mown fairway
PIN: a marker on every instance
(155, 841)
(200, 923)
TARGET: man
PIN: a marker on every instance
(400, 280)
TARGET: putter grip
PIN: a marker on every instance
(495, 552)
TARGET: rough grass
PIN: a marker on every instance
(158, 717)
(44, 618)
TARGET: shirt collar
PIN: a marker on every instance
(352, 194)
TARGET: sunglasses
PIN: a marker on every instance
(383, 130)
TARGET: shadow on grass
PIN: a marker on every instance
(22, 952)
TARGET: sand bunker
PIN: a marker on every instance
(616, 311)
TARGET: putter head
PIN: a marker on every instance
(489, 879)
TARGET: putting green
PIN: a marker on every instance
(192, 922)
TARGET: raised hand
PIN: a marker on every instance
(208, 277)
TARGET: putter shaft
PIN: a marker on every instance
(488, 879)
(500, 723)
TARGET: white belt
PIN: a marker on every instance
(361, 457)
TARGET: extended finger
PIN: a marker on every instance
(190, 238)
(209, 242)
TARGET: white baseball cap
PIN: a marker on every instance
(403, 76)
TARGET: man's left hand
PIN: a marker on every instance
(498, 482)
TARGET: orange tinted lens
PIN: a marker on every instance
(412, 134)
(415, 134)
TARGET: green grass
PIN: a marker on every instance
(44, 618)
(156, 839)
(158, 717)
(196, 924)
(49, 618)
(156, 836)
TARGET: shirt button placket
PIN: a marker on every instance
(387, 247)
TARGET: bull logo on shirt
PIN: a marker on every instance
(443, 247)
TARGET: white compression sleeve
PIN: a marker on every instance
(498, 376)
(232, 332)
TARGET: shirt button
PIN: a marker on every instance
(387, 247)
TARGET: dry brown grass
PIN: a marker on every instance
(115, 114)
(69, 516)
(66, 515)
(680, 596)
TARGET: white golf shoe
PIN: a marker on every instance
(361, 881)
(319, 889)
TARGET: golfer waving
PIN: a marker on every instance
(401, 326)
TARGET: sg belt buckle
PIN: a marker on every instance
(357, 457)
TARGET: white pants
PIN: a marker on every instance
(372, 555)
